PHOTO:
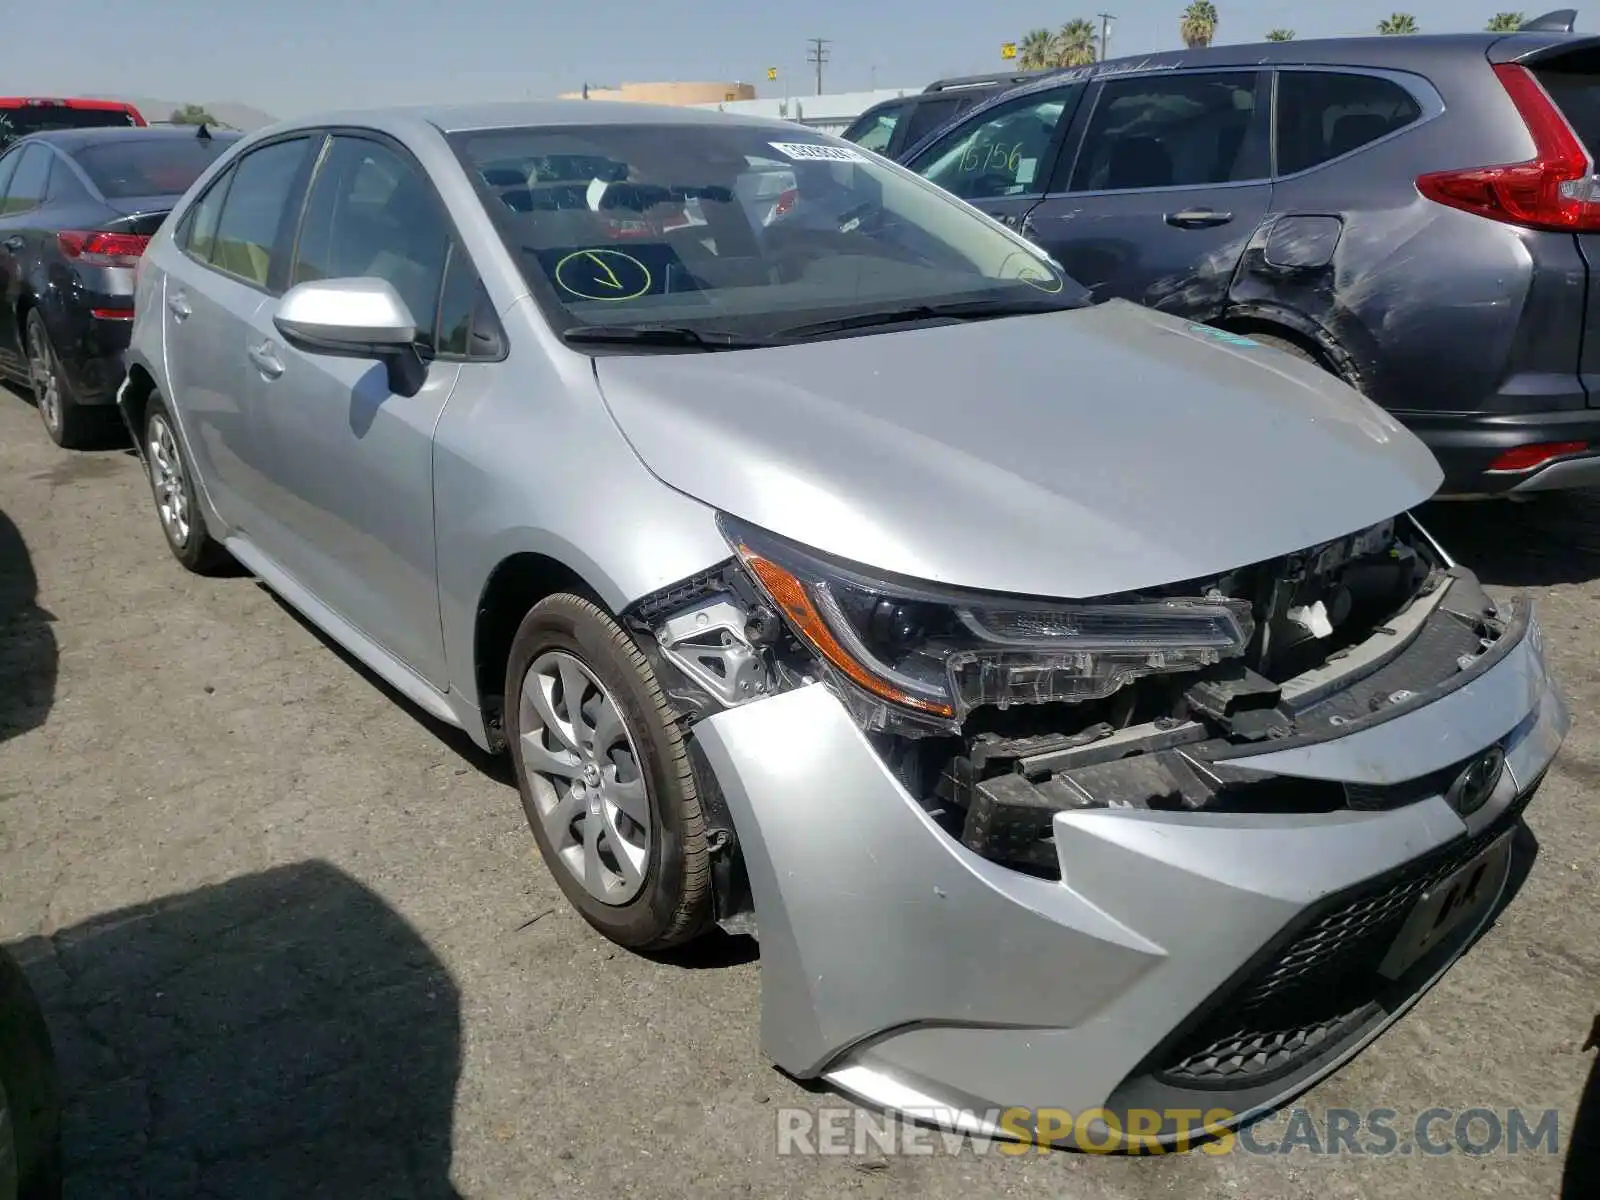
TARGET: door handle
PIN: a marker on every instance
(266, 360)
(1198, 218)
(15, 242)
(178, 305)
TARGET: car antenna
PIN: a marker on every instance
(1560, 21)
(203, 133)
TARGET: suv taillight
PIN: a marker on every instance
(99, 249)
(1555, 189)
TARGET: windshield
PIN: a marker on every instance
(730, 228)
(22, 120)
(155, 166)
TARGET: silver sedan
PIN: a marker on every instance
(1059, 690)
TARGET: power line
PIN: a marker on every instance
(1105, 31)
(817, 55)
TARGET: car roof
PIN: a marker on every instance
(464, 118)
(96, 135)
(1413, 52)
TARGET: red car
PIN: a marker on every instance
(22, 115)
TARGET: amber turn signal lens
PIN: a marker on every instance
(789, 594)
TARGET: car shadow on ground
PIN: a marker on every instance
(1554, 539)
(284, 1034)
(28, 650)
(1580, 1180)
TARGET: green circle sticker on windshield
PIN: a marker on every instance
(603, 275)
(1038, 277)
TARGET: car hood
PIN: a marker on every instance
(1069, 454)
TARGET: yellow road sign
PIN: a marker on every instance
(1008, 49)
(772, 72)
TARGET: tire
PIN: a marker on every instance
(177, 502)
(1294, 349)
(30, 1094)
(70, 425)
(646, 882)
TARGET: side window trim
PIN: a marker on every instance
(394, 146)
(1266, 91)
(1420, 89)
(1074, 92)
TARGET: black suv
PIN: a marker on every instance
(1419, 215)
(894, 126)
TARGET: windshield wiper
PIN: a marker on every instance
(659, 335)
(960, 310)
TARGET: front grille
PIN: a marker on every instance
(1320, 986)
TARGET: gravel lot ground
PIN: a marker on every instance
(295, 941)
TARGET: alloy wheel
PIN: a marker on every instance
(42, 376)
(584, 771)
(167, 477)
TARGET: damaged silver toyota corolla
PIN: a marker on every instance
(1061, 692)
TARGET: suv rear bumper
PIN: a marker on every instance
(1466, 444)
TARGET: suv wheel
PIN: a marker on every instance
(172, 484)
(605, 776)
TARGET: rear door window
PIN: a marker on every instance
(254, 209)
(1000, 153)
(8, 164)
(27, 187)
(1323, 115)
(1189, 130)
(876, 130)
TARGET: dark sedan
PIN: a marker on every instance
(76, 210)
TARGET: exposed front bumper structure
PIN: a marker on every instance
(1212, 961)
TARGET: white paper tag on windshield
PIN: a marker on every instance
(815, 152)
(1026, 169)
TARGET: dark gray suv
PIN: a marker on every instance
(1419, 215)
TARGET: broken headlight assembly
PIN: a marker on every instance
(943, 653)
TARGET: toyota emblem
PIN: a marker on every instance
(1473, 787)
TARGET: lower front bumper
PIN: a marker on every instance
(914, 973)
(1466, 444)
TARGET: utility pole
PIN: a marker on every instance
(817, 55)
(1105, 31)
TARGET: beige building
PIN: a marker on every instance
(669, 93)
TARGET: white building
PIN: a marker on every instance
(829, 112)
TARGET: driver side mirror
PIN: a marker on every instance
(355, 318)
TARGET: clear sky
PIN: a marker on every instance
(288, 57)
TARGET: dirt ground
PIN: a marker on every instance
(294, 940)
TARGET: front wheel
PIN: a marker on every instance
(605, 776)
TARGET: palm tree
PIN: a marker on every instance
(1506, 22)
(1037, 50)
(1280, 35)
(1199, 24)
(1397, 23)
(1074, 44)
